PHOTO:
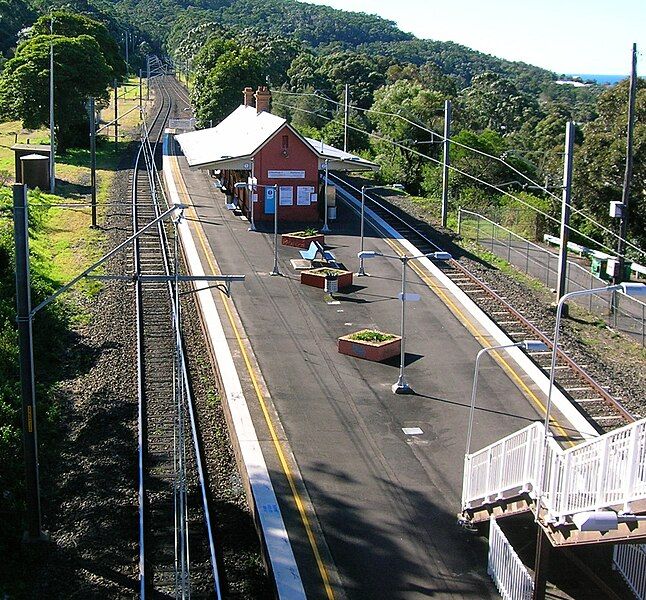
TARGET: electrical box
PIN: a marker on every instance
(612, 268)
(616, 209)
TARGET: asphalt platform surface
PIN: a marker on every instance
(385, 502)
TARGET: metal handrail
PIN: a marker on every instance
(599, 473)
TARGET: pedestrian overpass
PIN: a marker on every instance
(604, 473)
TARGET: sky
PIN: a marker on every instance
(565, 36)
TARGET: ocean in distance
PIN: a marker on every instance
(601, 79)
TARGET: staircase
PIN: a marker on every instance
(607, 472)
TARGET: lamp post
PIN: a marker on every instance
(274, 188)
(364, 189)
(630, 289)
(401, 385)
(529, 345)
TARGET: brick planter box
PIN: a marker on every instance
(297, 241)
(375, 351)
(316, 277)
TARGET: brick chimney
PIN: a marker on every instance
(263, 96)
(247, 94)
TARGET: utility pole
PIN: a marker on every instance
(446, 162)
(116, 115)
(92, 112)
(127, 63)
(345, 118)
(628, 173)
(140, 98)
(52, 143)
(25, 341)
(565, 210)
(147, 76)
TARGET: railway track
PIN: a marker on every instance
(599, 407)
(176, 550)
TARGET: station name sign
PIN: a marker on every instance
(285, 174)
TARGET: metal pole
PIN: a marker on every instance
(140, 98)
(52, 143)
(26, 357)
(325, 229)
(474, 390)
(402, 387)
(446, 162)
(147, 77)
(127, 62)
(345, 118)
(93, 160)
(628, 173)
(565, 210)
(116, 114)
(276, 270)
(363, 206)
(252, 191)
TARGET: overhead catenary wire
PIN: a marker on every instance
(454, 142)
(465, 174)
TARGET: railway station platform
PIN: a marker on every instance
(367, 482)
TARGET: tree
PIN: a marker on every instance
(80, 71)
(362, 73)
(493, 102)
(218, 93)
(14, 15)
(416, 105)
(600, 162)
(73, 25)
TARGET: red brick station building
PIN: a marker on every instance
(251, 142)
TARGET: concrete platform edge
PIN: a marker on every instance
(279, 551)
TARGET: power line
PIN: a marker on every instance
(468, 175)
(535, 184)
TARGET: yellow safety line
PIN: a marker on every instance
(482, 339)
(277, 445)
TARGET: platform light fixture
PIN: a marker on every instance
(364, 189)
(401, 385)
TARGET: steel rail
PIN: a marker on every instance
(150, 149)
(175, 307)
(140, 371)
(579, 372)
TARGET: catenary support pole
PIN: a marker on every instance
(116, 114)
(628, 173)
(565, 211)
(93, 159)
(446, 162)
(148, 77)
(140, 88)
(346, 114)
(326, 228)
(127, 61)
(26, 358)
(52, 141)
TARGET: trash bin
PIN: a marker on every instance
(331, 284)
(598, 268)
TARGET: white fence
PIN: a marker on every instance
(505, 567)
(607, 471)
(630, 561)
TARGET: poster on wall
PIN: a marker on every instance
(285, 195)
(304, 195)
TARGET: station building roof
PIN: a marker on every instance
(239, 137)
